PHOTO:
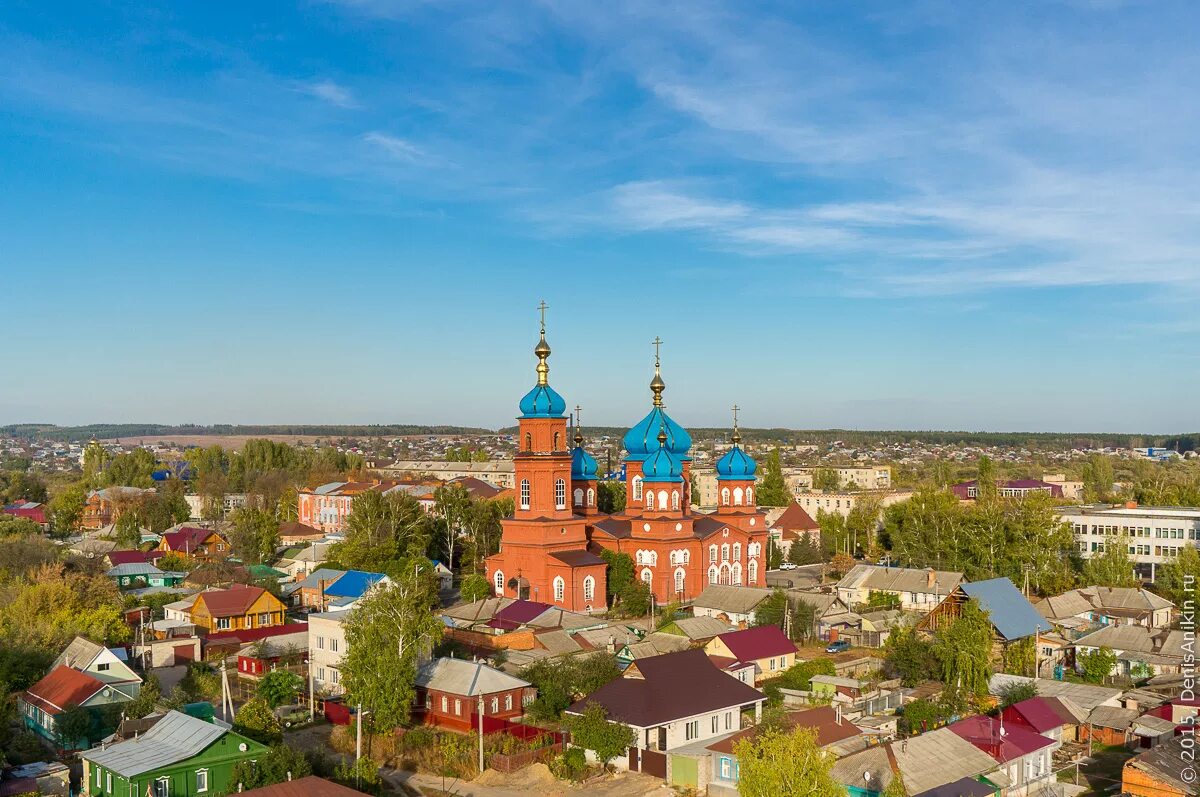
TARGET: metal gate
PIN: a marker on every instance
(633, 759)
(654, 763)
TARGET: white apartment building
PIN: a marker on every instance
(870, 477)
(842, 502)
(326, 649)
(1155, 533)
(496, 472)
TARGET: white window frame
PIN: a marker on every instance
(498, 582)
(560, 589)
(526, 493)
(589, 588)
(560, 494)
(201, 772)
(637, 488)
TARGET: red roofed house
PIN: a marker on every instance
(197, 543)
(793, 525)
(1025, 756)
(64, 689)
(766, 647)
(238, 608)
(296, 532)
(1048, 716)
(133, 557)
(30, 510)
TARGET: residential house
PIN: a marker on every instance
(835, 734)
(63, 690)
(179, 755)
(227, 643)
(134, 557)
(444, 575)
(697, 629)
(831, 686)
(450, 692)
(1025, 757)
(326, 649)
(299, 561)
(1108, 606)
(912, 589)
(30, 510)
(309, 592)
(106, 664)
(135, 576)
(1053, 717)
(1012, 616)
(1109, 725)
(733, 605)
(793, 525)
(660, 643)
(238, 608)
(1081, 698)
(328, 506)
(194, 542)
(1138, 649)
(1159, 772)
(102, 507)
(766, 647)
(348, 589)
(671, 701)
(297, 533)
(285, 651)
(923, 763)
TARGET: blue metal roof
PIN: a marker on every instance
(641, 441)
(1011, 612)
(542, 402)
(736, 465)
(353, 584)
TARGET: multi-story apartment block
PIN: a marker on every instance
(497, 472)
(326, 649)
(842, 502)
(1155, 534)
(871, 477)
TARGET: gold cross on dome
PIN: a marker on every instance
(542, 307)
(657, 342)
(735, 412)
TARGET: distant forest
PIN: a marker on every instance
(848, 437)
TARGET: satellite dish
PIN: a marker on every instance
(242, 747)
(867, 777)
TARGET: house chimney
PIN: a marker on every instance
(930, 578)
(838, 713)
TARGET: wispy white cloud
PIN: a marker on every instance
(396, 147)
(331, 93)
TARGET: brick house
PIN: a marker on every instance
(765, 647)
(449, 691)
(194, 542)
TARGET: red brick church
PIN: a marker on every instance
(549, 549)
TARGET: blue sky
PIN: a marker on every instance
(868, 215)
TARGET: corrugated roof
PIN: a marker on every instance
(739, 600)
(900, 579)
(469, 678)
(62, 688)
(1002, 743)
(758, 643)
(702, 627)
(173, 738)
(353, 584)
(1010, 612)
(232, 602)
(311, 786)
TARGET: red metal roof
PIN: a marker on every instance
(62, 689)
(1014, 742)
(35, 513)
(825, 719)
(1038, 712)
(794, 518)
(188, 538)
(758, 643)
(254, 634)
(311, 786)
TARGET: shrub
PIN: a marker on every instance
(571, 765)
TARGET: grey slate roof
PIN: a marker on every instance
(469, 678)
(899, 579)
(1120, 601)
(1084, 696)
(702, 627)
(739, 600)
(174, 738)
(79, 654)
(1010, 612)
(1163, 764)
(925, 762)
(133, 569)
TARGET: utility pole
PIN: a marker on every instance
(358, 718)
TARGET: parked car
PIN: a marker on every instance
(787, 566)
(838, 646)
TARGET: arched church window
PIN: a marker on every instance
(712, 553)
(647, 576)
(752, 572)
(662, 500)
(725, 496)
(637, 488)
(578, 496)
(737, 552)
(591, 497)
(559, 588)
(735, 573)
(725, 552)
(557, 437)
(649, 499)
(560, 494)
(674, 499)
(750, 495)
(589, 588)
(712, 575)
(679, 577)
(737, 496)
(528, 441)
(524, 493)
(499, 579)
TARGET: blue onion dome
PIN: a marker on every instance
(542, 401)
(662, 465)
(583, 464)
(641, 441)
(736, 464)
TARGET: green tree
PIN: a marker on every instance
(825, 480)
(19, 526)
(987, 488)
(382, 531)
(804, 551)
(146, 700)
(774, 490)
(1097, 665)
(386, 635)
(778, 609)
(254, 535)
(73, 728)
(1098, 478)
(475, 587)
(593, 731)
(911, 657)
(777, 762)
(1020, 657)
(451, 505)
(619, 573)
(280, 688)
(561, 681)
(1016, 692)
(610, 497)
(278, 764)
(635, 599)
(66, 510)
(1113, 567)
(255, 720)
(132, 469)
(895, 787)
(964, 648)
(1179, 578)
